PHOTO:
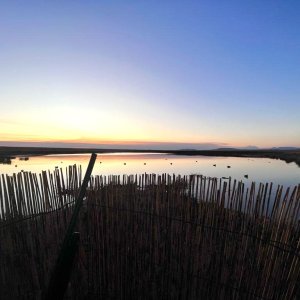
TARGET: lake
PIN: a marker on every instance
(258, 169)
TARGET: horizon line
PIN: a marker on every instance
(141, 145)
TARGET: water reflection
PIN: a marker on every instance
(245, 169)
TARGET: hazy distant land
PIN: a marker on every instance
(290, 155)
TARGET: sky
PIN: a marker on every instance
(202, 73)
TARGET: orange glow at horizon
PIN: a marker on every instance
(85, 126)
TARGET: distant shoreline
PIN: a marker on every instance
(286, 155)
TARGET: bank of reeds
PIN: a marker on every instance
(151, 237)
(34, 213)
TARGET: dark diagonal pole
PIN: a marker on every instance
(62, 271)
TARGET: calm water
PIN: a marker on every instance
(257, 169)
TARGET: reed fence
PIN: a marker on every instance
(151, 237)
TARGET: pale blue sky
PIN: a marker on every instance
(223, 72)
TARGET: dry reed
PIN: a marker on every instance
(151, 236)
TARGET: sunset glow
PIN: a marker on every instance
(184, 72)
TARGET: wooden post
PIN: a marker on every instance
(61, 274)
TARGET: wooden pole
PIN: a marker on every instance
(62, 271)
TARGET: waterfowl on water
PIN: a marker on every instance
(246, 176)
(214, 165)
(144, 163)
(228, 167)
(124, 163)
